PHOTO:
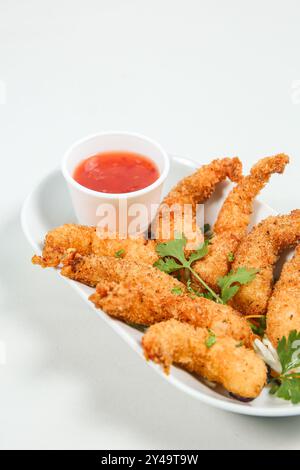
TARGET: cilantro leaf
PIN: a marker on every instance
(289, 351)
(229, 292)
(228, 283)
(288, 388)
(174, 248)
(167, 265)
(287, 384)
(172, 258)
(120, 253)
(275, 384)
(230, 257)
(177, 290)
(199, 253)
(211, 339)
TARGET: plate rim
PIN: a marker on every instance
(234, 407)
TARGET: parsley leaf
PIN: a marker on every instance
(119, 253)
(199, 253)
(230, 257)
(289, 351)
(211, 339)
(172, 258)
(287, 388)
(177, 290)
(287, 384)
(231, 283)
(167, 265)
(174, 248)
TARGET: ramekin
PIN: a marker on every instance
(90, 206)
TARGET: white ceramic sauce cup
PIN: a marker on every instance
(92, 206)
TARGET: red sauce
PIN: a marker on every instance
(116, 172)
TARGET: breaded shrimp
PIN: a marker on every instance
(134, 304)
(137, 248)
(233, 219)
(226, 362)
(260, 250)
(192, 190)
(283, 315)
(62, 241)
(93, 269)
(142, 294)
(199, 186)
(86, 240)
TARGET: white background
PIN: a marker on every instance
(205, 79)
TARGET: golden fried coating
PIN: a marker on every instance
(62, 241)
(132, 305)
(192, 190)
(233, 219)
(209, 339)
(199, 186)
(283, 314)
(261, 249)
(237, 208)
(93, 269)
(226, 362)
(137, 248)
(142, 294)
(87, 240)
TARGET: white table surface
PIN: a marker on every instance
(205, 79)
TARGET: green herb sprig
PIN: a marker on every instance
(287, 384)
(231, 283)
(173, 258)
(177, 290)
(120, 253)
(211, 339)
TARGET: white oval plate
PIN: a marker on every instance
(49, 206)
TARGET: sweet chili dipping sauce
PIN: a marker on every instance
(116, 172)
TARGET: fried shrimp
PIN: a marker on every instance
(142, 294)
(226, 362)
(192, 190)
(233, 219)
(261, 249)
(199, 186)
(138, 281)
(86, 240)
(283, 314)
(62, 241)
